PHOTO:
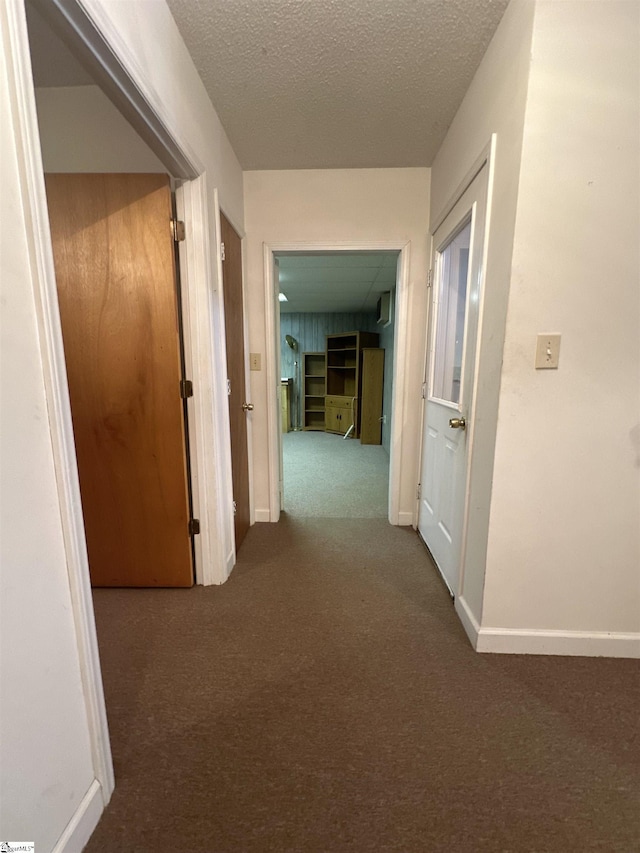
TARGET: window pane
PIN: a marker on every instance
(451, 306)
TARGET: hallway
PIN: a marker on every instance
(327, 699)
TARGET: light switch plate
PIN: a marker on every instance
(547, 351)
(255, 362)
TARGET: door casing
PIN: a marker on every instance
(272, 364)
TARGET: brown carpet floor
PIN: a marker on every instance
(327, 699)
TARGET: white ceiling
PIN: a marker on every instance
(342, 282)
(316, 84)
(322, 84)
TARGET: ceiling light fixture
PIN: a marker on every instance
(282, 297)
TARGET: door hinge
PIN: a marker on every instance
(178, 230)
(228, 387)
(186, 388)
(430, 278)
(418, 491)
(235, 507)
(194, 526)
(424, 391)
(222, 252)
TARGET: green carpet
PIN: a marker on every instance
(327, 476)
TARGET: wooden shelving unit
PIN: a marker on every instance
(371, 385)
(314, 384)
(343, 371)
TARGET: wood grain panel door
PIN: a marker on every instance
(234, 328)
(115, 272)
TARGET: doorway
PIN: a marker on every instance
(448, 423)
(197, 204)
(335, 346)
(108, 126)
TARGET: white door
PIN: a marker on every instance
(447, 425)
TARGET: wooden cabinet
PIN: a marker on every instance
(371, 385)
(339, 413)
(344, 373)
(314, 384)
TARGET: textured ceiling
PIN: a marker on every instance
(322, 84)
(336, 83)
(342, 282)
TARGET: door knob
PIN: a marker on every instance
(247, 407)
(458, 423)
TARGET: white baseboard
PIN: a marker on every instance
(229, 564)
(80, 828)
(405, 519)
(469, 621)
(572, 643)
(531, 641)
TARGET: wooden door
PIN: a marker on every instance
(234, 328)
(115, 271)
(457, 290)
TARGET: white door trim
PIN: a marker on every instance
(87, 29)
(486, 156)
(82, 25)
(486, 160)
(31, 176)
(272, 359)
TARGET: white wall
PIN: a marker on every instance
(336, 206)
(564, 546)
(46, 756)
(81, 131)
(48, 785)
(553, 558)
(494, 103)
